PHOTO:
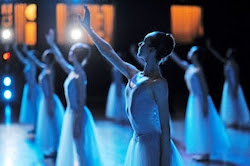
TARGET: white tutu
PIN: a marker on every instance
(145, 151)
(233, 110)
(115, 105)
(204, 134)
(49, 128)
(66, 155)
(29, 110)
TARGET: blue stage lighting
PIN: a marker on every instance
(7, 81)
(7, 94)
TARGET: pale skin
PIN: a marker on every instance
(151, 71)
(45, 78)
(31, 76)
(79, 81)
(184, 65)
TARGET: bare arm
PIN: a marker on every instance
(58, 55)
(30, 54)
(106, 50)
(214, 52)
(19, 54)
(182, 63)
(160, 92)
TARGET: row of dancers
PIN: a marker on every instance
(71, 132)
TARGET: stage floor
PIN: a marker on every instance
(17, 147)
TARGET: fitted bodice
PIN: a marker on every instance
(29, 71)
(46, 83)
(142, 110)
(72, 93)
(229, 71)
(193, 82)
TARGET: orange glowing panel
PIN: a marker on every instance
(6, 9)
(108, 17)
(61, 21)
(20, 21)
(30, 33)
(6, 13)
(30, 12)
(6, 56)
(186, 23)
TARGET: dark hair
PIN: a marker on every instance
(164, 44)
(48, 57)
(81, 51)
(231, 53)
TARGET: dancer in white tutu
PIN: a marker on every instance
(140, 61)
(51, 110)
(115, 105)
(233, 109)
(146, 99)
(78, 142)
(205, 133)
(31, 91)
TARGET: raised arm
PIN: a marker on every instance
(182, 63)
(214, 52)
(132, 50)
(105, 48)
(31, 55)
(19, 54)
(58, 55)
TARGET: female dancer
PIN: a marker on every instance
(146, 98)
(78, 129)
(31, 91)
(115, 107)
(233, 109)
(51, 110)
(204, 130)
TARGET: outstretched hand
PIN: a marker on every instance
(50, 37)
(85, 22)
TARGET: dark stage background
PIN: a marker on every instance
(225, 23)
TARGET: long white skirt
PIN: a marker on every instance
(115, 105)
(66, 155)
(204, 134)
(234, 110)
(29, 107)
(145, 151)
(49, 128)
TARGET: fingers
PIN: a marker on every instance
(86, 15)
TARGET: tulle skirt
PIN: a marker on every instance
(233, 110)
(204, 134)
(29, 107)
(145, 151)
(49, 128)
(115, 106)
(66, 155)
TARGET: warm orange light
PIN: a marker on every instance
(30, 12)
(30, 33)
(6, 56)
(186, 22)
(6, 13)
(61, 20)
(102, 20)
(19, 22)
